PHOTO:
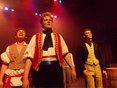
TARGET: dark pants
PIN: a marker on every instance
(50, 74)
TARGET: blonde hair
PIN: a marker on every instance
(45, 14)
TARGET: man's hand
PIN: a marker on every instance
(85, 72)
(105, 74)
(25, 83)
(73, 73)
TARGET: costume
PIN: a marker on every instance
(48, 71)
(90, 59)
(15, 70)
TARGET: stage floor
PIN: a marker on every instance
(80, 83)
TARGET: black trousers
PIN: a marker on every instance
(50, 75)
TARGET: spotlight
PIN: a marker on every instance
(12, 10)
(39, 14)
(6, 8)
(36, 14)
(1, 7)
(55, 0)
(60, 1)
(55, 16)
(52, 16)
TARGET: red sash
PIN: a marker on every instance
(8, 79)
(38, 50)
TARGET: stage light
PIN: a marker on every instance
(36, 14)
(6, 8)
(39, 14)
(55, 16)
(12, 10)
(1, 7)
(52, 16)
(60, 1)
(55, 0)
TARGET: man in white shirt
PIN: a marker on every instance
(45, 54)
(13, 64)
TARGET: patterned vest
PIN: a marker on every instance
(91, 59)
(16, 58)
(38, 50)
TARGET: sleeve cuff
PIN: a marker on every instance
(5, 58)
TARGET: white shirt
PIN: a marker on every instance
(5, 55)
(51, 50)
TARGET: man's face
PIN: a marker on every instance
(21, 34)
(88, 34)
(47, 22)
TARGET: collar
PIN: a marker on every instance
(24, 43)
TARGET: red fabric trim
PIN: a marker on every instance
(59, 49)
(36, 54)
(8, 79)
(7, 82)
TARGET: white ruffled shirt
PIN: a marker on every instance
(5, 55)
(51, 50)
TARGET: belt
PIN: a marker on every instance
(48, 62)
(49, 58)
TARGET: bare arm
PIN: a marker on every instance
(105, 73)
(70, 62)
(2, 72)
(27, 68)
